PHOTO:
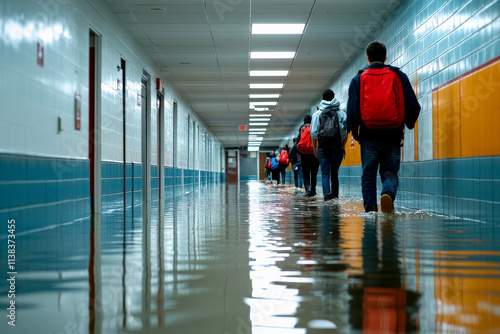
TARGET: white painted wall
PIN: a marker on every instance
(33, 97)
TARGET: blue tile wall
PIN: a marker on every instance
(44, 192)
(41, 192)
(464, 187)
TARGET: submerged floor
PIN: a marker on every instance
(256, 258)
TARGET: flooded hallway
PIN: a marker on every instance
(135, 192)
(252, 257)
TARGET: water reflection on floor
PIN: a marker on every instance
(257, 258)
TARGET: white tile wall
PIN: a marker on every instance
(33, 97)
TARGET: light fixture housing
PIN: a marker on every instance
(266, 86)
(278, 28)
(264, 96)
(268, 73)
(259, 119)
(262, 103)
(272, 55)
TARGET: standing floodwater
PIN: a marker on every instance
(257, 258)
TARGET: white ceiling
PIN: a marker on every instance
(203, 48)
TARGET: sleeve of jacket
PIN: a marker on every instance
(315, 125)
(412, 107)
(353, 113)
(342, 123)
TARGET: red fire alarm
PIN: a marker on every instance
(78, 111)
(39, 53)
(159, 84)
(243, 127)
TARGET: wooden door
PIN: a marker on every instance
(232, 165)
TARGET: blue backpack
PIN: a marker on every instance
(274, 163)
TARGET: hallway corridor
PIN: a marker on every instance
(250, 257)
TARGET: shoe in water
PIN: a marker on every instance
(386, 204)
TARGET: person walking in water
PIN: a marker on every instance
(294, 157)
(310, 163)
(329, 135)
(381, 102)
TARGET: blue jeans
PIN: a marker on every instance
(387, 155)
(330, 161)
(297, 174)
(283, 168)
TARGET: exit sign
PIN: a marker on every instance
(243, 128)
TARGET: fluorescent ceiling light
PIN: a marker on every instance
(258, 129)
(260, 115)
(253, 149)
(254, 143)
(261, 109)
(268, 73)
(266, 85)
(259, 124)
(263, 103)
(272, 55)
(258, 133)
(259, 119)
(252, 138)
(264, 96)
(262, 28)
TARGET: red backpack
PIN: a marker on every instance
(283, 157)
(269, 162)
(305, 145)
(382, 102)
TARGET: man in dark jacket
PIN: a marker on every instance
(380, 147)
(294, 158)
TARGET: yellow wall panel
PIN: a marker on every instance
(435, 124)
(449, 121)
(466, 113)
(352, 154)
(479, 100)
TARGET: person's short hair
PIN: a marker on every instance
(307, 119)
(328, 94)
(376, 51)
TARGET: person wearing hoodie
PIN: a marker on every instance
(329, 147)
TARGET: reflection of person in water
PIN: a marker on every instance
(381, 304)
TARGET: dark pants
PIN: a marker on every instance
(330, 161)
(387, 155)
(297, 174)
(282, 168)
(310, 166)
(276, 174)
